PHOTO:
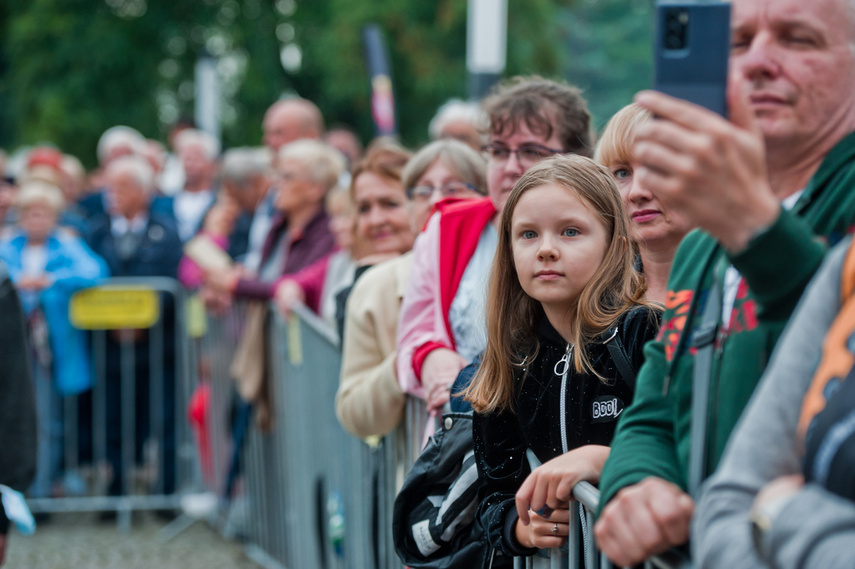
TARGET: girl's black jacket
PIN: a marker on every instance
(592, 410)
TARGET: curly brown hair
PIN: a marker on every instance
(545, 106)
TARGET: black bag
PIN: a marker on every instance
(830, 442)
(434, 523)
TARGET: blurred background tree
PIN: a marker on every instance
(69, 69)
(609, 47)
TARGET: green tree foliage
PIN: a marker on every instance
(609, 51)
(427, 46)
(72, 68)
(69, 69)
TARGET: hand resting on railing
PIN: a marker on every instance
(542, 500)
(643, 520)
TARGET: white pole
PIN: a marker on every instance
(486, 43)
(207, 95)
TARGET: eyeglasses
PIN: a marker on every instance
(424, 193)
(527, 154)
(286, 177)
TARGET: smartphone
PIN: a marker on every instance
(691, 50)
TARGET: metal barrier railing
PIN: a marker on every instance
(222, 413)
(581, 554)
(312, 495)
(126, 442)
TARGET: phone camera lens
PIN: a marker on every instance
(674, 42)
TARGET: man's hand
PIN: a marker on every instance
(439, 370)
(711, 170)
(551, 484)
(643, 520)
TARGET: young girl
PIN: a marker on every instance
(562, 283)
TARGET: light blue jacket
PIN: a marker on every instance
(71, 266)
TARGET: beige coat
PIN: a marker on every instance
(369, 399)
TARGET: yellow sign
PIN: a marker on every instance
(295, 341)
(114, 307)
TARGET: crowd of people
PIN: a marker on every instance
(495, 270)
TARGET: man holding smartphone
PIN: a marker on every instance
(770, 189)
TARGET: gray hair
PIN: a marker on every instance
(39, 191)
(241, 164)
(119, 136)
(457, 110)
(139, 169)
(73, 168)
(324, 163)
(193, 137)
(457, 156)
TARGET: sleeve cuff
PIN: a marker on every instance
(760, 263)
(509, 535)
(254, 289)
(421, 353)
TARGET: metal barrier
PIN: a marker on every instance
(127, 445)
(219, 462)
(333, 500)
(581, 554)
(312, 495)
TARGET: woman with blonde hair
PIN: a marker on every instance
(654, 228)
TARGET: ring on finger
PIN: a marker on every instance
(555, 529)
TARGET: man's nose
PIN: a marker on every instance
(761, 59)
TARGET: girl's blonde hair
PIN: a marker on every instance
(513, 316)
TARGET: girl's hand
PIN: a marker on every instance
(439, 371)
(544, 532)
(550, 486)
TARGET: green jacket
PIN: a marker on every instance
(654, 434)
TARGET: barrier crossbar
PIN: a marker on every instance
(312, 495)
(125, 444)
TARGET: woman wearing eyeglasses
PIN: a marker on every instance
(370, 401)
(442, 324)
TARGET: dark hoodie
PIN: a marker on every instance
(17, 400)
(592, 408)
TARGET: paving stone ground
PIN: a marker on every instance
(80, 541)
